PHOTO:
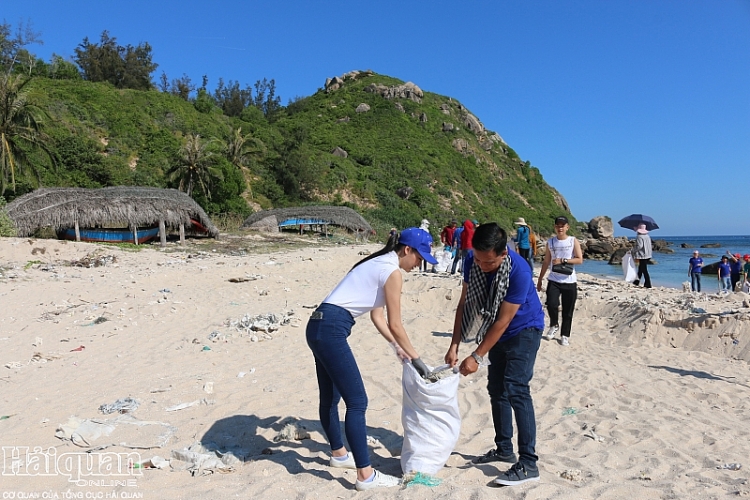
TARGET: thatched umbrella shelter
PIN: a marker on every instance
(63, 208)
(310, 215)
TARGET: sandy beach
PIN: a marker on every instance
(650, 400)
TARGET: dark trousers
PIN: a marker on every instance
(460, 256)
(526, 254)
(643, 271)
(510, 371)
(735, 278)
(569, 294)
(338, 377)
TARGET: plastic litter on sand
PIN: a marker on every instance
(419, 479)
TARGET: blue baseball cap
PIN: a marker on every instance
(420, 240)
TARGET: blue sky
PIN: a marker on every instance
(626, 106)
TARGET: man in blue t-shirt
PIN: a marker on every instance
(724, 273)
(694, 271)
(500, 306)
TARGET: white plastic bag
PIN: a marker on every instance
(628, 267)
(431, 421)
(444, 258)
(746, 287)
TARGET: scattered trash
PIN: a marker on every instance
(123, 430)
(165, 290)
(241, 374)
(165, 389)
(440, 374)
(206, 348)
(182, 406)
(200, 460)
(14, 364)
(246, 278)
(314, 306)
(79, 348)
(593, 435)
(263, 322)
(123, 405)
(6, 417)
(698, 310)
(92, 260)
(732, 466)
(419, 479)
(155, 462)
(215, 336)
(208, 387)
(570, 410)
(292, 432)
(571, 475)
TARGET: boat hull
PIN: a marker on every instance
(109, 235)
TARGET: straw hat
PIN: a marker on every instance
(520, 222)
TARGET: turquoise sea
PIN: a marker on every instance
(670, 269)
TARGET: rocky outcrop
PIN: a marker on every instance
(461, 145)
(363, 108)
(404, 192)
(406, 91)
(339, 152)
(335, 83)
(472, 123)
(601, 227)
(447, 127)
(423, 118)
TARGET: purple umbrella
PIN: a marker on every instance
(632, 221)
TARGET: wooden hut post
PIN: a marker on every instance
(162, 233)
(135, 234)
(78, 232)
(182, 233)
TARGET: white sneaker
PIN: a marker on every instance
(552, 332)
(343, 464)
(564, 341)
(379, 480)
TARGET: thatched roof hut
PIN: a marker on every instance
(314, 214)
(135, 206)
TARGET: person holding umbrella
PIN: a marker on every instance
(642, 255)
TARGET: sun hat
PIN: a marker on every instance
(425, 222)
(561, 220)
(641, 229)
(420, 240)
(520, 222)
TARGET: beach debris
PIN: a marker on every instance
(440, 373)
(263, 322)
(251, 277)
(206, 348)
(420, 479)
(200, 460)
(93, 260)
(165, 290)
(732, 466)
(122, 405)
(573, 475)
(78, 349)
(570, 410)
(164, 389)
(13, 365)
(155, 462)
(208, 387)
(182, 406)
(593, 435)
(124, 430)
(292, 431)
(216, 336)
(6, 417)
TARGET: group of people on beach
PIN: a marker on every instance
(732, 269)
(499, 309)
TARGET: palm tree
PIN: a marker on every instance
(196, 167)
(241, 149)
(20, 131)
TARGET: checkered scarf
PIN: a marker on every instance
(482, 303)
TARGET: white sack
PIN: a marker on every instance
(444, 259)
(628, 267)
(431, 421)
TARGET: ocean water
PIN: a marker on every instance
(670, 269)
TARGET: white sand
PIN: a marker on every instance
(649, 400)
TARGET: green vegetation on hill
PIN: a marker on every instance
(237, 150)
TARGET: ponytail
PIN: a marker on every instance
(391, 245)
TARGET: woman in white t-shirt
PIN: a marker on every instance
(561, 249)
(374, 283)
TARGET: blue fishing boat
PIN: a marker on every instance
(109, 235)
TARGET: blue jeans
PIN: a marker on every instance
(695, 281)
(725, 283)
(510, 371)
(460, 256)
(338, 377)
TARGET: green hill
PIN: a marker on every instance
(421, 155)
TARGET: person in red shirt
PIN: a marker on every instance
(446, 236)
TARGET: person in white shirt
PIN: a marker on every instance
(374, 283)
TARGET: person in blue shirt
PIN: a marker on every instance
(456, 248)
(735, 269)
(695, 269)
(724, 272)
(500, 309)
(522, 239)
